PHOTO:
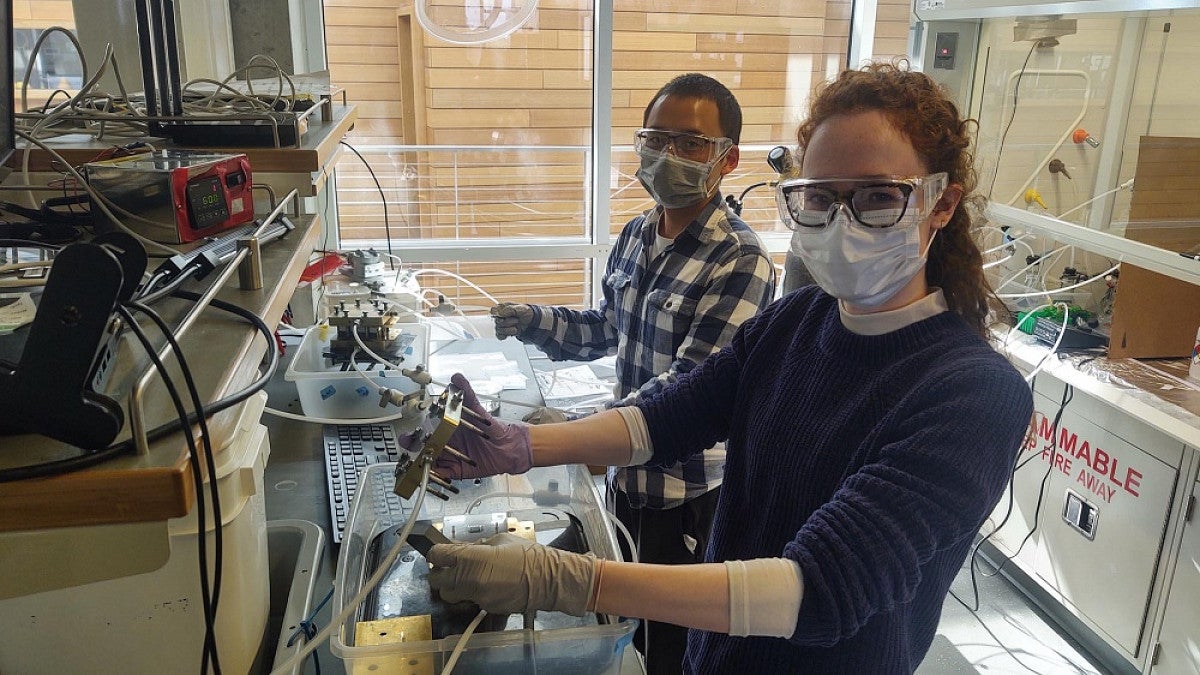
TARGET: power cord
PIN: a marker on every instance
(387, 226)
(61, 466)
(1004, 134)
(972, 557)
(210, 649)
(206, 437)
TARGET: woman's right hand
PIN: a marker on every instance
(503, 447)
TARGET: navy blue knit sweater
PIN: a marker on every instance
(869, 460)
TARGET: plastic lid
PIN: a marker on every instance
(480, 21)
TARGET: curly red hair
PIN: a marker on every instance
(922, 112)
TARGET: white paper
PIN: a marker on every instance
(16, 310)
(489, 373)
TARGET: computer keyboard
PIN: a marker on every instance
(349, 449)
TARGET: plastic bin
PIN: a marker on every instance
(152, 622)
(327, 391)
(558, 644)
(295, 548)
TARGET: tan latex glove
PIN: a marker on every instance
(507, 574)
(511, 319)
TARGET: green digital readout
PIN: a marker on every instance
(206, 202)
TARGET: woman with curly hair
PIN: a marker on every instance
(871, 427)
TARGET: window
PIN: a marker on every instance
(492, 144)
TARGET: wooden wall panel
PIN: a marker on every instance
(534, 88)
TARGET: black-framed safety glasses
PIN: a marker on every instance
(696, 147)
(874, 202)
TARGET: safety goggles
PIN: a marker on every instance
(874, 202)
(696, 147)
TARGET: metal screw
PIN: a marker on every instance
(71, 316)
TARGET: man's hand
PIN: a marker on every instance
(511, 319)
(503, 449)
(507, 574)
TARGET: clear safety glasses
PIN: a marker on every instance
(696, 147)
(874, 202)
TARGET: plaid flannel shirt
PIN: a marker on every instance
(661, 318)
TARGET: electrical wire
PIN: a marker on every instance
(972, 556)
(82, 461)
(1004, 134)
(210, 649)
(1054, 348)
(206, 441)
(1067, 397)
(99, 199)
(308, 628)
(387, 227)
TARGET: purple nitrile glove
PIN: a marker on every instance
(505, 449)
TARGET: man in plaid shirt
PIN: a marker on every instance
(680, 280)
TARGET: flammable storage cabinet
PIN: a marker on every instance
(403, 628)
(1101, 499)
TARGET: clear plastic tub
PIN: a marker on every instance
(559, 501)
(328, 391)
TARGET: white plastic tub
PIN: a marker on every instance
(152, 622)
(330, 392)
(295, 548)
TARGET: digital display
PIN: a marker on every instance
(206, 202)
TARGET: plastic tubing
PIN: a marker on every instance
(1087, 96)
(380, 572)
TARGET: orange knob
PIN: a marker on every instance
(1082, 136)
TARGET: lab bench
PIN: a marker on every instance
(295, 477)
(1100, 528)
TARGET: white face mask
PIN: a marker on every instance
(861, 265)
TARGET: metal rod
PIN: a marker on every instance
(136, 400)
(459, 455)
(443, 482)
(472, 427)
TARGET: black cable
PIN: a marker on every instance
(61, 466)
(742, 197)
(149, 295)
(209, 463)
(1068, 395)
(197, 480)
(1004, 135)
(387, 228)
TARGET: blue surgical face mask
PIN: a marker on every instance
(675, 182)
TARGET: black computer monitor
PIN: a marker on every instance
(6, 80)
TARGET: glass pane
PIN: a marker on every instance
(770, 55)
(552, 282)
(502, 126)
(455, 192)
(1053, 90)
